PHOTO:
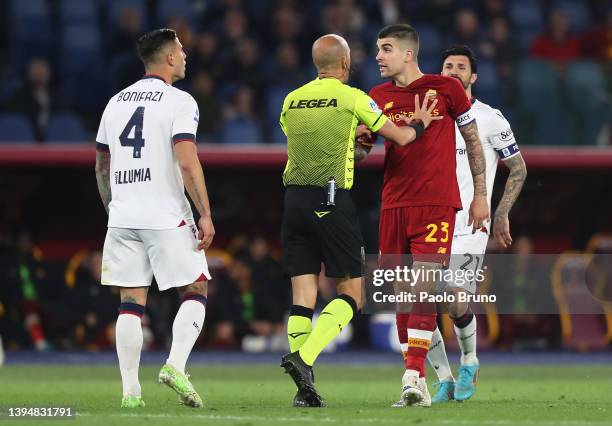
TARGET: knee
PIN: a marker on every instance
(198, 288)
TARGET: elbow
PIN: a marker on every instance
(405, 140)
(186, 169)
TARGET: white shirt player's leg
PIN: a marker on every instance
(177, 262)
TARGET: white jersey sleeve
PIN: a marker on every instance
(101, 140)
(497, 142)
(500, 135)
(185, 124)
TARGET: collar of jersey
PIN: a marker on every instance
(155, 76)
(327, 79)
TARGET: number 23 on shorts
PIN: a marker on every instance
(433, 230)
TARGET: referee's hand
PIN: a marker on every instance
(206, 232)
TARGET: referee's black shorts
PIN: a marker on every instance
(313, 233)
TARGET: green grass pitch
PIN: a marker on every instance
(357, 395)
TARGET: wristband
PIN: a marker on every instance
(418, 127)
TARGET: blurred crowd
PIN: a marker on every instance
(62, 306)
(65, 58)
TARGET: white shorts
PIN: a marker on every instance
(132, 256)
(467, 254)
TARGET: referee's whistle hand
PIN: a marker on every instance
(206, 232)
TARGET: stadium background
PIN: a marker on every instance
(62, 59)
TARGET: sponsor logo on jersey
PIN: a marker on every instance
(442, 250)
(313, 103)
(396, 116)
(321, 214)
(131, 176)
(506, 135)
(461, 151)
(374, 107)
(388, 105)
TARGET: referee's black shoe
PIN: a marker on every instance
(303, 379)
(298, 401)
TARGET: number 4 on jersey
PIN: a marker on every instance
(137, 142)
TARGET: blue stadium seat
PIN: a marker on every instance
(587, 91)
(275, 98)
(527, 18)
(525, 13)
(430, 41)
(80, 50)
(115, 7)
(65, 128)
(31, 30)
(277, 135)
(240, 130)
(539, 94)
(78, 11)
(430, 64)
(167, 9)
(578, 14)
(15, 128)
(370, 74)
(487, 86)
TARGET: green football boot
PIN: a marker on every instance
(132, 402)
(179, 382)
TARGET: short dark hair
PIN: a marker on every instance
(462, 50)
(403, 32)
(150, 44)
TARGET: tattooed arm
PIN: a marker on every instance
(514, 185)
(103, 177)
(193, 178)
(479, 210)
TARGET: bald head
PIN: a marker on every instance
(328, 53)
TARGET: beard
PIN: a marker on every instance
(465, 84)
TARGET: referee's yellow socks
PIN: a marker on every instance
(299, 326)
(335, 316)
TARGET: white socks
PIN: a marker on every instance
(128, 333)
(466, 337)
(437, 357)
(185, 331)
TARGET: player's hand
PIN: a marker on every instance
(479, 212)
(205, 233)
(363, 133)
(501, 231)
(423, 112)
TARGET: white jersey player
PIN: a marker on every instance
(468, 247)
(498, 143)
(146, 158)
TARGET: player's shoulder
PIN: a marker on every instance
(383, 87)
(180, 95)
(438, 80)
(487, 112)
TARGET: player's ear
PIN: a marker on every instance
(409, 54)
(473, 78)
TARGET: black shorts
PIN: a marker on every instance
(313, 233)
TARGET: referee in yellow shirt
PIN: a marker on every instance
(320, 223)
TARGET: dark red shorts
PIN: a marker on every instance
(425, 232)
